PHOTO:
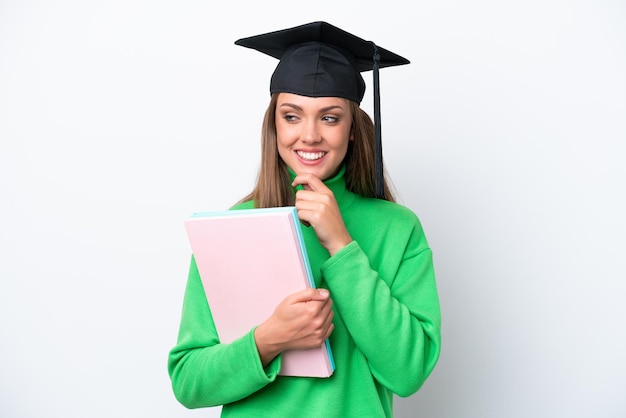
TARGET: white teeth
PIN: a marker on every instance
(310, 156)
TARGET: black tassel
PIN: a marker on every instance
(378, 148)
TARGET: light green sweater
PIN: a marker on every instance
(386, 338)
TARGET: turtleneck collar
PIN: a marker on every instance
(337, 184)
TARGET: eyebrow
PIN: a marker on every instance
(322, 110)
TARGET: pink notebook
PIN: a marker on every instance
(249, 260)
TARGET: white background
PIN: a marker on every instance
(505, 135)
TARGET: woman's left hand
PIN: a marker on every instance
(317, 206)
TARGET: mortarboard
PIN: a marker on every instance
(320, 60)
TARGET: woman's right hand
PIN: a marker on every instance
(302, 320)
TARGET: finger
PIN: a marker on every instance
(330, 329)
(309, 294)
(319, 197)
(314, 207)
(309, 182)
(320, 307)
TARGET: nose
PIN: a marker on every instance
(310, 134)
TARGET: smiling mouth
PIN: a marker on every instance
(310, 156)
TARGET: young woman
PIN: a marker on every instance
(376, 297)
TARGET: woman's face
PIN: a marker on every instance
(313, 133)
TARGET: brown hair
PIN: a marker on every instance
(273, 185)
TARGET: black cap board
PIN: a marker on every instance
(321, 60)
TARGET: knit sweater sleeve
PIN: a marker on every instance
(205, 372)
(394, 320)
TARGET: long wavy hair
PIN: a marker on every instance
(273, 184)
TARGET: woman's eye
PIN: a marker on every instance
(330, 119)
(290, 118)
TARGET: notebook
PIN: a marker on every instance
(249, 260)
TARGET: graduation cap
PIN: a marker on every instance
(321, 60)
